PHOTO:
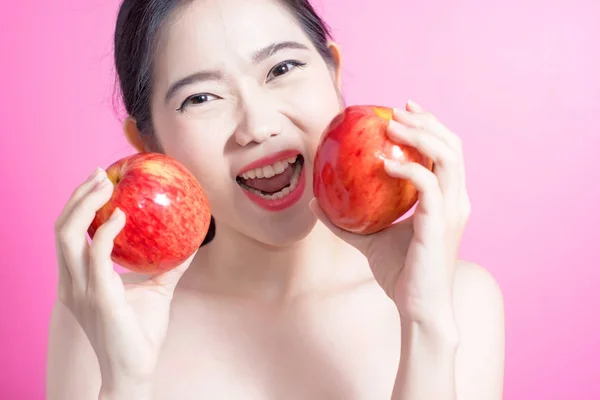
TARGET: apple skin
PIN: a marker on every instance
(167, 213)
(350, 183)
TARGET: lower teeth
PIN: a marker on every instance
(283, 192)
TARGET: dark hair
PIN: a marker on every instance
(137, 31)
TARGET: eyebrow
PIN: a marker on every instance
(216, 75)
(193, 78)
(273, 48)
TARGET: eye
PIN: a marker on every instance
(283, 68)
(197, 99)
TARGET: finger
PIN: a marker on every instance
(425, 142)
(455, 141)
(169, 279)
(413, 106)
(448, 161)
(83, 189)
(426, 183)
(100, 262)
(73, 237)
(427, 121)
(64, 276)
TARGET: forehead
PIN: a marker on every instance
(208, 33)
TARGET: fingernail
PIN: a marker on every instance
(399, 111)
(414, 105)
(389, 164)
(102, 181)
(116, 213)
(95, 173)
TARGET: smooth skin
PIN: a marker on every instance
(281, 305)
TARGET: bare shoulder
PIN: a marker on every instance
(476, 289)
(479, 313)
(478, 303)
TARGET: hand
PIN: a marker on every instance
(126, 324)
(414, 259)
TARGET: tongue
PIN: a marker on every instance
(273, 184)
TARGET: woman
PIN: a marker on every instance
(279, 304)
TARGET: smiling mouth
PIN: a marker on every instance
(273, 181)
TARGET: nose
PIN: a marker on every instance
(259, 122)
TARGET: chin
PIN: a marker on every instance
(280, 229)
(285, 236)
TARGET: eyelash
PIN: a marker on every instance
(293, 63)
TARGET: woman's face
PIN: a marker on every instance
(238, 82)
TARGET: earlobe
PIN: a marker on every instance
(336, 53)
(133, 134)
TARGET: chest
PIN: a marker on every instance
(330, 352)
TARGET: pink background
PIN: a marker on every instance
(518, 80)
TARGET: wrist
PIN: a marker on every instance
(437, 330)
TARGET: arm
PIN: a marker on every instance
(72, 369)
(427, 361)
(103, 344)
(458, 355)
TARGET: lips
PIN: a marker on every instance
(275, 182)
(269, 160)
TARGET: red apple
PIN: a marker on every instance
(167, 213)
(349, 180)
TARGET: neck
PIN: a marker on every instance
(237, 264)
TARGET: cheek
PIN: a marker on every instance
(201, 151)
(317, 102)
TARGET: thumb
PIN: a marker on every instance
(360, 242)
(169, 279)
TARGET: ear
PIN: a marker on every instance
(133, 134)
(336, 53)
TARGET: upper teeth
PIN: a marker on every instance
(269, 170)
